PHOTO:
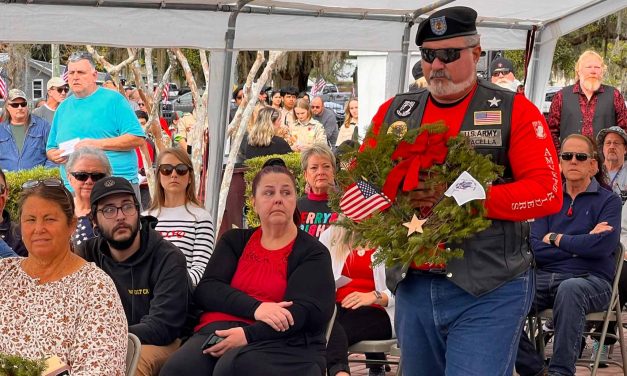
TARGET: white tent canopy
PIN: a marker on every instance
(366, 25)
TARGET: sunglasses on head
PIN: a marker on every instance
(568, 156)
(83, 176)
(18, 104)
(445, 55)
(62, 89)
(51, 182)
(181, 169)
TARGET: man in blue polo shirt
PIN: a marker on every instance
(100, 118)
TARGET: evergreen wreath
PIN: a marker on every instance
(447, 222)
(11, 365)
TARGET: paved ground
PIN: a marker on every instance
(612, 370)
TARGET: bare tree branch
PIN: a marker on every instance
(251, 96)
(189, 76)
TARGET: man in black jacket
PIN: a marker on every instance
(149, 272)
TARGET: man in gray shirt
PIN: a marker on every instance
(327, 118)
(57, 92)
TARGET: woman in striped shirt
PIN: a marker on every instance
(182, 220)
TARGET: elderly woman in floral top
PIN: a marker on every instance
(306, 131)
(53, 302)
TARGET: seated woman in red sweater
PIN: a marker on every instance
(364, 303)
(267, 294)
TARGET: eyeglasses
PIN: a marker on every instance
(568, 156)
(181, 169)
(140, 104)
(445, 55)
(51, 182)
(62, 89)
(613, 143)
(18, 104)
(316, 106)
(83, 176)
(504, 72)
(110, 211)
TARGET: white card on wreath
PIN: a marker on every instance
(465, 188)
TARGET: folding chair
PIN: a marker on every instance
(132, 354)
(613, 313)
(387, 346)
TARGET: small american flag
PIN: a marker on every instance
(318, 86)
(3, 87)
(65, 75)
(165, 92)
(487, 117)
(362, 199)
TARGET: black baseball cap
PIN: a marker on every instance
(110, 186)
(447, 23)
(501, 64)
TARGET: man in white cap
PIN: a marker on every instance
(57, 92)
(613, 143)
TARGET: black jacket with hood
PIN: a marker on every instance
(153, 284)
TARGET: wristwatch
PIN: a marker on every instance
(377, 295)
(552, 239)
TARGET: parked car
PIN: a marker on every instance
(548, 98)
(338, 109)
(183, 103)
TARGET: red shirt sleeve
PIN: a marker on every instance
(537, 188)
(555, 115)
(377, 121)
(621, 110)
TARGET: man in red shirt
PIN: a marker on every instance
(465, 318)
(588, 106)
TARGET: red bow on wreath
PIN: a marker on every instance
(427, 149)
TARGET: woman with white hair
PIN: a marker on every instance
(84, 168)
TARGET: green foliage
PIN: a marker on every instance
(292, 161)
(448, 223)
(11, 365)
(15, 179)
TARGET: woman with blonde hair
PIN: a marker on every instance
(349, 130)
(363, 303)
(305, 131)
(262, 139)
(182, 220)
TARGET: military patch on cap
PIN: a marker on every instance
(438, 25)
(406, 108)
(109, 183)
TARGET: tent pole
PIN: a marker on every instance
(217, 129)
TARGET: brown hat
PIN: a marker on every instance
(447, 23)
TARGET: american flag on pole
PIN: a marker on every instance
(65, 75)
(165, 92)
(3, 87)
(361, 199)
(318, 86)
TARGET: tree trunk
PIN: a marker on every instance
(16, 66)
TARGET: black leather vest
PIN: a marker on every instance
(571, 119)
(501, 252)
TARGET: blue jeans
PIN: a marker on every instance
(443, 330)
(571, 298)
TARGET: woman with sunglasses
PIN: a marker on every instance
(182, 220)
(261, 139)
(84, 168)
(22, 136)
(54, 303)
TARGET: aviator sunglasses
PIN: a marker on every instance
(568, 156)
(166, 169)
(83, 176)
(445, 55)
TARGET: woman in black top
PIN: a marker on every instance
(262, 139)
(268, 293)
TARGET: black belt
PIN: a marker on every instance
(434, 271)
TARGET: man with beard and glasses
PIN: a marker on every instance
(149, 272)
(588, 106)
(465, 317)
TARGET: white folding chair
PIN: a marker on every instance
(132, 354)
